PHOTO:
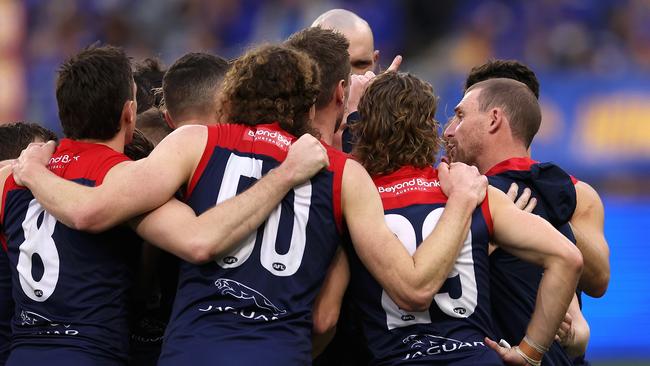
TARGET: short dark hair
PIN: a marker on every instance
(140, 147)
(190, 85)
(153, 125)
(14, 137)
(329, 49)
(91, 89)
(397, 125)
(148, 76)
(509, 69)
(271, 84)
(518, 103)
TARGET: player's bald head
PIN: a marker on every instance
(362, 46)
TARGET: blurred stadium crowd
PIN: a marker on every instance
(436, 37)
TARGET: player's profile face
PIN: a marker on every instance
(463, 133)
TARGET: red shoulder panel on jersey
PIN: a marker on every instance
(523, 163)
(107, 164)
(574, 179)
(10, 184)
(76, 159)
(337, 165)
(409, 186)
(487, 215)
(213, 133)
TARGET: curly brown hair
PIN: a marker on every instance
(271, 84)
(397, 125)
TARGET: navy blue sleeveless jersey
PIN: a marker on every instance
(514, 282)
(254, 304)
(452, 330)
(6, 302)
(69, 287)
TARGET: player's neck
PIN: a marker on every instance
(493, 156)
(116, 143)
(196, 120)
(324, 122)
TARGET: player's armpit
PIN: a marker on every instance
(411, 281)
(327, 306)
(533, 239)
(587, 224)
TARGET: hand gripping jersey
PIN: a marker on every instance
(514, 282)
(253, 305)
(452, 330)
(69, 287)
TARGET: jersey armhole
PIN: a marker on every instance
(487, 216)
(107, 165)
(203, 163)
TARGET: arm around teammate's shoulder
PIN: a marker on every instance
(175, 227)
(128, 189)
(411, 281)
(533, 239)
(587, 224)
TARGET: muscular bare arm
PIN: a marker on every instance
(411, 281)
(175, 227)
(535, 240)
(587, 224)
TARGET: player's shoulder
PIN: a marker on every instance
(337, 157)
(587, 197)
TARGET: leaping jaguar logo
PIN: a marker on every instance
(241, 291)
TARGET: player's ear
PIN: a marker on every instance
(496, 119)
(312, 112)
(129, 112)
(375, 56)
(339, 92)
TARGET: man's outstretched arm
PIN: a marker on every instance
(411, 281)
(175, 227)
(534, 240)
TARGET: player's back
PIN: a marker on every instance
(254, 305)
(514, 282)
(69, 287)
(452, 330)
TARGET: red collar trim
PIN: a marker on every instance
(523, 163)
